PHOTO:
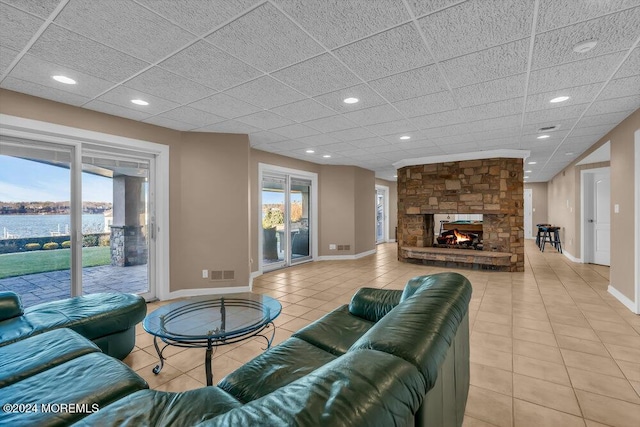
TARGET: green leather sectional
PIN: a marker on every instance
(107, 319)
(389, 358)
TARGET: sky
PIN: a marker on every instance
(28, 181)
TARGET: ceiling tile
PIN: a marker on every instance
(443, 118)
(578, 95)
(409, 84)
(317, 75)
(352, 134)
(579, 73)
(628, 103)
(122, 96)
(295, 131)
(603, 119)
(6, 58)
(457, 31)
(125, 26)
(534, 128)
(41, 8)
(17, 27)
(338, 147)
(421, 7)
(368, 142)
(225, 106)
(169, 123)
(619, 88)
(35, 89)
(288, 145)
(387, 53)
(265, 92)
(334, 100)
(553, 114)
(265, 137)
(196, 118)
(493, 109)
(304, 110)
(198, 16)
(318, 140)
(489, 64)
(631, 66)
(391, 128)
(331, 124)
(613, 32)
(491, 91)
(38, 71)
(369, 116)
(458, 148)
(208, 65)
(229, 126)
(594, 131)
(412, 145)
(335, 23)
(554, 13)
(427, 104)
(72, 50)
(258, 37)
(382, 149)
(164, 84)
(116, 110)
(492, 123)
(265, 120)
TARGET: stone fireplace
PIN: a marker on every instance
(491, 187)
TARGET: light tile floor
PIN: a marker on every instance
(549, 347)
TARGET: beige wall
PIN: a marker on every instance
(393, 205)
(566, 186)
(337, 209)
(539, 204)
(365, 210)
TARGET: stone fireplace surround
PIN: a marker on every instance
(491, 187)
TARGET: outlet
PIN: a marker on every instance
(205, 274)
(332, 247)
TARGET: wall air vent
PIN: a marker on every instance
(217, 275)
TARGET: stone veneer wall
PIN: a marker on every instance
(492, 187)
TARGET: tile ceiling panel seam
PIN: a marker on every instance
(34, 38)
(588, 19)
(532, 42)
(613, 73)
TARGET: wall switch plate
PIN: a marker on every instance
(332, 247)
(205, 274)
(616, 208)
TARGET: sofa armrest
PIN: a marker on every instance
(372, 304)
(10, 305)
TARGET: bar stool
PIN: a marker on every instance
(540, 232)
(551, 235)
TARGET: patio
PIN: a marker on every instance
(53, 285)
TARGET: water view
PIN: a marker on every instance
(23, 226)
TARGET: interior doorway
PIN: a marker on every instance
(596, 216)
(382, 214)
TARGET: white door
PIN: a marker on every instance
(601, 218)
(528, 213)
(381, 214)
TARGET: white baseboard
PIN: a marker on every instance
(631, 305)
(571, 257)
(346, 257)
(183, 293)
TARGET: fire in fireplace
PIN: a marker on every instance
(458, 239)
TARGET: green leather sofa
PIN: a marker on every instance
(389, 358)
(107, 319)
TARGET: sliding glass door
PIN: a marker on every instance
(286, 222)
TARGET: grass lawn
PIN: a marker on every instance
(21, 263)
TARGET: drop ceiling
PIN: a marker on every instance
(455, 76)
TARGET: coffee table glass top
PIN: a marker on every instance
(212, 317)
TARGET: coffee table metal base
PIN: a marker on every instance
(209, 344)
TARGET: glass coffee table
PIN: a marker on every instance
(212, 321)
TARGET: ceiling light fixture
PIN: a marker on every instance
(532, 163)
(559, 99)
(568, 154)
(544, 136)
(405, 137)
(395, 176)
(326, 156)
(528, 171)
(351, 100)
(64, 79)
(526, 177)
(139, 102)
(310, 151)
(585, 46)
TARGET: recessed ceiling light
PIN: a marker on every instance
(544, 136)
(326, 156)
(526, 177)
(64, 79)
(139, 102)
(404, 137)
(395, 176)
(528, 171)
(532, 163)
(310, 151)
(559, 99)
(585, 46)
(568, 154)
(351, 100)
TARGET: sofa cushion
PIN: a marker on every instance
(92, 316)
(275, 368)
(10, 305)
(25, 358)
(363, 388)
(336, 331)
(161, 408)
(87, 383)
(422, 327)
(373, 304)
